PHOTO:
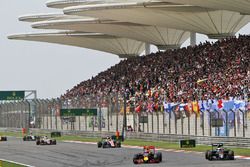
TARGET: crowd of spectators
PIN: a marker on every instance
(206, 71)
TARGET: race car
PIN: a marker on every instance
(149, 155)
(30, 138)
(44, 140)
(219, 153)
(109, 142)
(3, 138)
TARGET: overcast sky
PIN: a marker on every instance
(50, 69)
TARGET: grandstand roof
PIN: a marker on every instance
(66, 3)
(214, 23)
(47, 16)
(123, 47)
(162, 37)
(242, 6)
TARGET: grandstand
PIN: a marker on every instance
(205, 71)
(175, 74)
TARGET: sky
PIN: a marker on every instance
(50, 69)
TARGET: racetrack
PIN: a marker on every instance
(84, 155)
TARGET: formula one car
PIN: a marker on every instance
(30, 138)
(149, 155)
(219, 153)
(3, 138)
(45, 141)
(109, 142)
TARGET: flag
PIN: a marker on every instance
(214, 105)
(150, 107)
(195, 108)
(220, 104)
(182, 105)
(168, 107)
(202, 105)
(188, 109)
(138, 108)
(237, 104)
(228, 105)
(176, 110)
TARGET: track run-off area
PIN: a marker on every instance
(78, 154)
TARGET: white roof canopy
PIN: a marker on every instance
(60, 4)
(162, 37)
(241, 6)
(214, 23)
(122, 47)
(47, 16)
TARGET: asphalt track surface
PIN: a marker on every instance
(88, 155)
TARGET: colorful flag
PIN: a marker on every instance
(220, 104)
(195, 108)
(177, 112)
(188, 109)
(228, 105)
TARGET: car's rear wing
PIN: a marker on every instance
(217, 144)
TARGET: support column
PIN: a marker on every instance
(192, 38)
(147, 48)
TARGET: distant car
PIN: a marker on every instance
(149, 155)
(30, 138)
(219, 153)
(109, 142)
(45, 141)
(3, 138)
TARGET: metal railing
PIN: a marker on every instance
(45, 114)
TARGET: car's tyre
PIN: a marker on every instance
(209, 156)
(99, 144)
(54, 142)
(105, 145)
(206, 154)
(118, 144)
(4, 138)
(135, 159)
(37, 142)
(159, 155)
(24, 138)
(231, 155)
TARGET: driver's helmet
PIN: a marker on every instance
(108, 138)
(219, 149)
(146, 150)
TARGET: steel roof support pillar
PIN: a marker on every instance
(147, 48)
(192, 38)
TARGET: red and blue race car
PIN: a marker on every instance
(149, 155)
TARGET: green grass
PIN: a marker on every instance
(137, 142)
(15, 134)
(9, 164)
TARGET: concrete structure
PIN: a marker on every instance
(122, 47)
(213, 23)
